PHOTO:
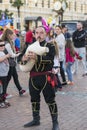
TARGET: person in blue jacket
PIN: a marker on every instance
(17, 43)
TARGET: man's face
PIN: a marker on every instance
(40, 34)
(79, 26)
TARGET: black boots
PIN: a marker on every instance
(54, 115)
(55, 122)
(35, 121)
(36, 117)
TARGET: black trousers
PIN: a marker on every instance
(4, 84)
(59, 82)
(38, 84)
(62, 71)
(13, 73)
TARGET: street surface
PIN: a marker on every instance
(71, 101)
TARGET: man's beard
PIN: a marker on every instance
(40, 39)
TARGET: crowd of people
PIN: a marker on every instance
(64, 51)
(8, 48)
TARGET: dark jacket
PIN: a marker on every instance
(45, 62)
(79, 38)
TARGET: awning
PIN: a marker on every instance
(33, 18)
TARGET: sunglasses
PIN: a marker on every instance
(1, 45)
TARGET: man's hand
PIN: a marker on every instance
(55, 70)
(25, 58)
(32, 55)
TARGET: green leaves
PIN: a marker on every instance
(17, 3)
(6, 13)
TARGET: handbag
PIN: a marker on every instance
(12, 61)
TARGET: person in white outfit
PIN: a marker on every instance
(60, 39)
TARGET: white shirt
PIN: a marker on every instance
(4, 66)
(56, 61)
(60, 39)
(10, 51)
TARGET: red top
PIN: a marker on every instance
(69, 58)
(29, 36)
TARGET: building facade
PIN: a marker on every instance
(32, 11)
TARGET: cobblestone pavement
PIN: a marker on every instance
(71, 101)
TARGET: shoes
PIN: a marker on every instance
(7, 96)
(74, 72)
(59, 89)
(7, 103)
(32, 123)
(64, 83)
(22, 92)
(70, 83)
(65, 74)
(84, 75)
(3, 105)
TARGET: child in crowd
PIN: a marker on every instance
(70, 54)
(4, 68)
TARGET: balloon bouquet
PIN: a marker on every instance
(49, 24)
(45, 25)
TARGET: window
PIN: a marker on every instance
(42, 3)
(75, 6)
(48, 3)
(82, 7)
(0, 1)
(69, 5)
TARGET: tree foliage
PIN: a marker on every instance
(6, 13)
(17, 4)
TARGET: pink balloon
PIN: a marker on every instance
(45, 25)
(44, 22)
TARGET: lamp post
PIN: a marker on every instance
(59, 8)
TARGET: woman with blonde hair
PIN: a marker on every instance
(60, 39)
(56, 67)
(8, 37)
